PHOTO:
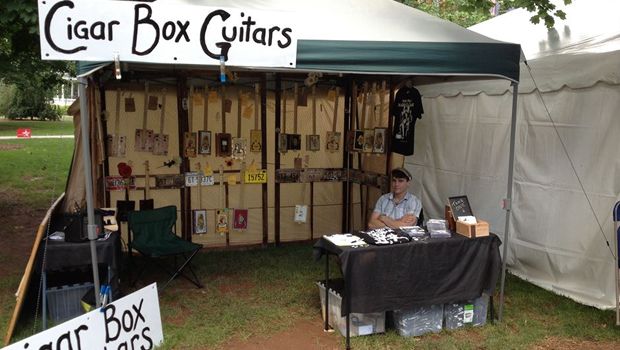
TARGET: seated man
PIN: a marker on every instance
(399, 207)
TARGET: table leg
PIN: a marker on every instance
(348, 333)
(492, 309)
(326, 293)
(44, 297)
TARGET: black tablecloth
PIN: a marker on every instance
(404, 276)
(63, 255)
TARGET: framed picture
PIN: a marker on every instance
(240, 219)
(256, 141)
(223, 146)
(221, 220)
(301, 213)
(238, 148)
(282, 143)
(204, 142)
(358, 144)
(379, 146)
(333, 141)
(313, 143)
(199, 221)
(189, 144)
(369, 140)
(294, 142)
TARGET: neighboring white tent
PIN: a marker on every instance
(555, 238)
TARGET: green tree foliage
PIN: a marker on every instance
(27, 101)
(20, 61)
(28, 82)
(450, 10)
(469, 12)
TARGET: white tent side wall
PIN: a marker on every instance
(555, 238)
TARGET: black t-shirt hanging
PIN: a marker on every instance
(407, 109)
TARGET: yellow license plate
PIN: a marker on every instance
(256, 177)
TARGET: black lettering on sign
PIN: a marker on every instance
(247, 31)
(80, 30)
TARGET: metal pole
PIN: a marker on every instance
(85, 140)
(616, 215)
(508, 200)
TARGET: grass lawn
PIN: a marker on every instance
(31, 169)
(38, 128)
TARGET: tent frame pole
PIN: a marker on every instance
(88, 181)
(508, 200)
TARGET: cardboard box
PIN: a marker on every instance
(472, 230)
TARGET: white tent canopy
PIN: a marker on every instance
(571, 75)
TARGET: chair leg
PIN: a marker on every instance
(180, 272)
(149, 262)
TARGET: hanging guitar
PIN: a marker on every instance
(146, 203)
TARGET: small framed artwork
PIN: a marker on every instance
(200, 221)
(205, 142)
(294, 142)
(223, 145)
(240, 219)
(379, 146)
(283, 143)
(301, 213)
(256, 141)
(189, 144)
(238, 148)
(333, 141)
(313, 143)
(369, 138)
(358, 145)
(221, 220)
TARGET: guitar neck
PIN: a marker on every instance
(147, 181)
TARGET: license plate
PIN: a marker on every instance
(256, 177)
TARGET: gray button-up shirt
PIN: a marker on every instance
(409, 205)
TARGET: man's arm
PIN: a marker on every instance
(378, 220)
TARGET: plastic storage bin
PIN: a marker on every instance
(467, 313)
(417, 321)
(359, 324)
(65, 302)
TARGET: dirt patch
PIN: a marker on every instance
(554, 343)
(10, 147)
(305, 335)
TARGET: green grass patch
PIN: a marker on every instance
(38, 128)
(29, 175)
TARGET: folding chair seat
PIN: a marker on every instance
(154, 238)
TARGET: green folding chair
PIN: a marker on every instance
(154, 238)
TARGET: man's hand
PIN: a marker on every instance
(409, 220)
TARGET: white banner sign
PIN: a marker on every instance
(160, 32)
(132, 322)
